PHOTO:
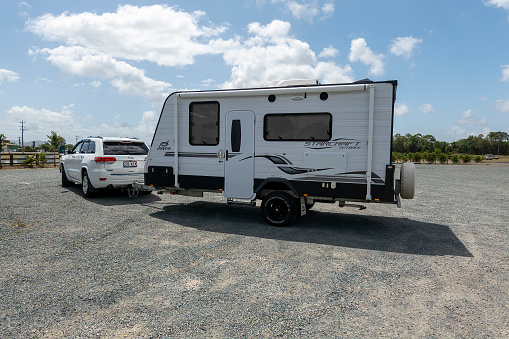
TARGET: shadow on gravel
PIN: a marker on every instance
(388, 234)
(113, 197)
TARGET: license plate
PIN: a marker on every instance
(130, 164)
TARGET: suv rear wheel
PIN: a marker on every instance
(87, 186)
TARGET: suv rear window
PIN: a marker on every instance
(124, 148)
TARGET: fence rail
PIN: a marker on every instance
(17, 158)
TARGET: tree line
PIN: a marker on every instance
(492, 143)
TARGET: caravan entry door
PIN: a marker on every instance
(239, 157)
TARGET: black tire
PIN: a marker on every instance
(86, 186)
(279, 209)
(65, 182)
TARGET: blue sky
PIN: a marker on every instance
(101, 67)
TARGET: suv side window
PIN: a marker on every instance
(91, 147)
(84, 147)
(77, 147)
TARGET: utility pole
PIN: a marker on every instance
(77, 137)
(23, 129)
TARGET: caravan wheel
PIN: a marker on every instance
(279, 209)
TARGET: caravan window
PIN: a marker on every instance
(204, 123)
(298, 127)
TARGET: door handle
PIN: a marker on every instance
(220, 155)
(226, 157)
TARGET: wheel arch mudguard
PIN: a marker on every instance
(276, 184)
(83, 170)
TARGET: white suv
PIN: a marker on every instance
(104, 163)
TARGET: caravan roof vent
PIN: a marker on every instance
(298, 82)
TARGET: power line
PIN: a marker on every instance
(23, 129)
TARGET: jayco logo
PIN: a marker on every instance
(339, 143)
(164, 146)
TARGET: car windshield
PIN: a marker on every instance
(124, 148)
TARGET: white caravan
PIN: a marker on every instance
(290, 145)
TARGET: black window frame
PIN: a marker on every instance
(266, 130)
(191, 124)
(77, 147)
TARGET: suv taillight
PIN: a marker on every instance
(104, 159)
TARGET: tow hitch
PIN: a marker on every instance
(132, 192)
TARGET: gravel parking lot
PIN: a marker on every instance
(172, 266)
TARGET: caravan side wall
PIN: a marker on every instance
(335, 167)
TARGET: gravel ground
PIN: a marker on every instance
(172, 266)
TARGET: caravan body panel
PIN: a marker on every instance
(314, 137)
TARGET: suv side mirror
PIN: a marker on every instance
(61, 149)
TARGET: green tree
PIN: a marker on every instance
(55, 140)
(2, 138)
(497, 139)
(41, 159)
(398, 143)
(45, 147)
(442, 157)
(411, 143)
(417, 157)
(455, 158)
(466, 158)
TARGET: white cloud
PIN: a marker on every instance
(502, 105)
(8, 75)
(427, 108)
(23, 9)
(359, 51)
(104, 47)
(101, 46)
(457, 133)
(129, 80)
(157, 33)
(310, 10)
(39, 123)
(328, 9)
(401, 109)
(328, 52)
(468, 118)
(95, 83)
(505, 72)
(307, 10)
(144, 130)
(404, 46)
(272, 54)
(498, 3)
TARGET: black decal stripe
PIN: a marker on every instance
(276, 159)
